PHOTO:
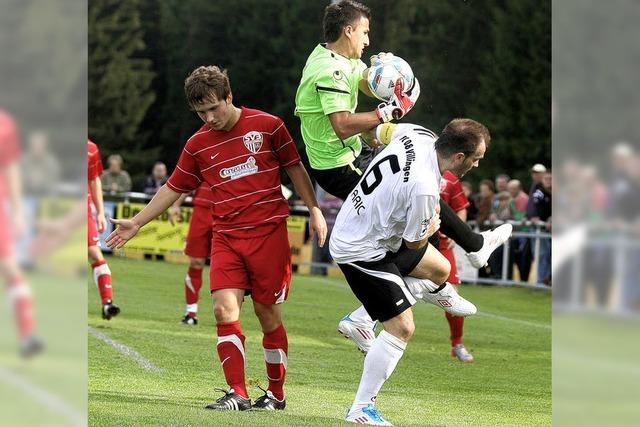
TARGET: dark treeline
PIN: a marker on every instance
(489, 60)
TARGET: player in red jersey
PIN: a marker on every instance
(96, 225)
(11, 227)
(238, 152)
(197, 248)
(452, 193)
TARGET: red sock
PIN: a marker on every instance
(192, 285)
(102, 279)
(231, 352)
(276, 348)
(22, 302)
(456, 324)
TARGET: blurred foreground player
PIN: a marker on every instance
(96, 225)
(238, 152)
(11, 227)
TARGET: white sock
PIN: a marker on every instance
(379, 364)
(419, 287)
(360, 315)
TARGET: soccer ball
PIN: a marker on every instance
(384, 73)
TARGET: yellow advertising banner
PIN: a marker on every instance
(158, 236)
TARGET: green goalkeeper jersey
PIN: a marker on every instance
(329, 84)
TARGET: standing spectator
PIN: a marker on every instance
(157, 178)
(537, 172)
(542, 214)
(520, 199)
(43, 166)
(504, 210)
(472, 210)
(115, 179)
(502, 181)
(484, 201)
(520, 246)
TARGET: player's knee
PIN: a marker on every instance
(224, 313)
(407, 329)
(197, 263)
(441, 273)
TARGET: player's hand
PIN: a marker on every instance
(125, 230)
(434, 224)
(174, 214)
(400, 103)
(317, 225)
(101, 221)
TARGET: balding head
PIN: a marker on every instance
(514, 187)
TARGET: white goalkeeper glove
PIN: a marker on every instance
(380, 57)
(400, 103)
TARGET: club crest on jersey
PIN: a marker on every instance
(253, 141)
(238, 171)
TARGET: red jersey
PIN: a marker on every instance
(203, 196)
(242, 168)
(94, 164)
(9, 148)
(452, 193)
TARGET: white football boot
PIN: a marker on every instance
(367, 415)
(492, 240)
(362, 333)
(447, 298)
(461, 352)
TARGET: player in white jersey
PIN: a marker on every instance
(381, 236)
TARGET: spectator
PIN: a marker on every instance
(537, 171)
(115, 179)
(43, 166)
(505, 208)
(520, 246)
(157, 178)
(484, 201)
(501, 185)
(542, 213)
(472, 210)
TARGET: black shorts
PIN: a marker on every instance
(379, 285)
(340, 181)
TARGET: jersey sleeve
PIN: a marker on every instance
(334, 91)
(283, 145)
(94, 162)
(9, 142)
(186, 176)
(422, 207)
(455, 196)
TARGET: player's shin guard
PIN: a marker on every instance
(276, 349)
(231, 352)
(379, 364)
(102, 279)
(22, 303)
(192, 285)
(456, 324)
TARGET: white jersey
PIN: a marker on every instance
(395, 199)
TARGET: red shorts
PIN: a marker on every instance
(6, 237)
(261, 265)
(93, 237)
(199, 235)
(453, 275)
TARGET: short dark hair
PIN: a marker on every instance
(489, 184)
(462, 136)
(339, 15)
(204, 82)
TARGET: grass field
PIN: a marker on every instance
(508, 385)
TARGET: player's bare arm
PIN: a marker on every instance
(346, 124)
(302, 184)
(127, 228)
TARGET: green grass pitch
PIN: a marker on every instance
(508, 385)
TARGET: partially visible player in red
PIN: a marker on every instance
(238, 152)
(12, 226)
(452, 193)
(197, 248)
(97, 224)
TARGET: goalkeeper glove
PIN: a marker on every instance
(400, 103)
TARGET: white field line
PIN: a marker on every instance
(512, 320)
(51, 401)
(127, 351)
